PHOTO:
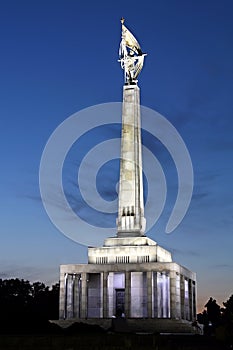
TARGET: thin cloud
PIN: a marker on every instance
(221, 266)
(32, 197)
(198, 196)
(176, 251)
(44, 274)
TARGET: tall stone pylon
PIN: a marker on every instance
(130, 274)
(131, 221)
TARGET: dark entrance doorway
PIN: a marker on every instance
(120, 301)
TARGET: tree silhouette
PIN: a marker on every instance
(229, 306)
(25, 303)
(227, 316)
(213, 311)
(220, 318)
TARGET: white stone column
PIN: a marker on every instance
(62, 298)
(83, 295)
(175, 295)
(155, 296)
(69, 309)
(105, 295)
(77, 294)
(127, 293)
(194, 299)
(190, 287)
(131, 221)
(149, 294)
(186, 299)
(182, 297)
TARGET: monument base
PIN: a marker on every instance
(128, 250)
(150, 290)
(135, 325)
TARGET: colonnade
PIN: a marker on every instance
(144, 294)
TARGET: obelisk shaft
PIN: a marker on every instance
(131, 221)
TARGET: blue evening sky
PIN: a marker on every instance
(58, 57)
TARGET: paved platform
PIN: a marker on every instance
(136, 325)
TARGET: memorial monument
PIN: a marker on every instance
(130, 274)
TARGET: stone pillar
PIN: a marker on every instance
(190, 286)
(105, 294)
(182, 299)
(127, 293)
(131, 221)
(186, 299)
(149, 294)
(72, 293)
(155, 296)
(175, 295)
(62, 297)
(76, 295)
(83, 295)
(69, 305)
(194, 300)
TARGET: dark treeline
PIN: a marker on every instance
(217, 319)
(27, 305)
